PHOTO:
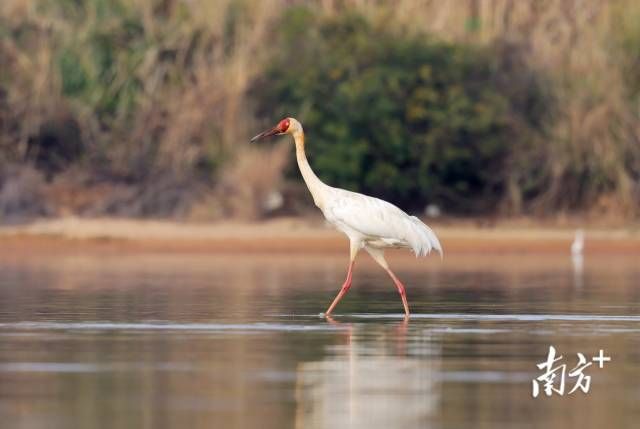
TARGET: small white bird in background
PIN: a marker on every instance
(577, 247)
(577, 259)
(369, 222)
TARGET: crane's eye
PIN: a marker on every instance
(283, 126)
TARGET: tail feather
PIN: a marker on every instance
(423, 239)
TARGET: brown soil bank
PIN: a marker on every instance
(286, 235)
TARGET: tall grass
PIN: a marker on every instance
(152, 97)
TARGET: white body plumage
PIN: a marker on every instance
(372, 222)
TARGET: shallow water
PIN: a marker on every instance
(233, 341)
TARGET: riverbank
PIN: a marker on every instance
(292, 235)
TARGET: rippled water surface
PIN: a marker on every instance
(235, 341)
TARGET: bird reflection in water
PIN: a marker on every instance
(374, 380)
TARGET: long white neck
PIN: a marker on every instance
(315, 185)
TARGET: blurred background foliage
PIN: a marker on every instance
(491, 107)
(408, 118)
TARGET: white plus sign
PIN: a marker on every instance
(601, 359)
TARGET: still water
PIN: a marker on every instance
(235, 341)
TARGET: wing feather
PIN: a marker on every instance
(378, 219)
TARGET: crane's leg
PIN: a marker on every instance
(354, 248)
(378, 256)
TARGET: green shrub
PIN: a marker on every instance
(410, 119)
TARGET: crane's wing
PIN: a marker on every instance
(375, 218)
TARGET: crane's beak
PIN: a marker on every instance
(272, 132)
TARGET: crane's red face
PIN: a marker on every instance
(281, 128)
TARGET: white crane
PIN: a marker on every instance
(370, 223)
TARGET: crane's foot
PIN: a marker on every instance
(331, 321)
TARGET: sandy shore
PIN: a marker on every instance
(287, 235)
